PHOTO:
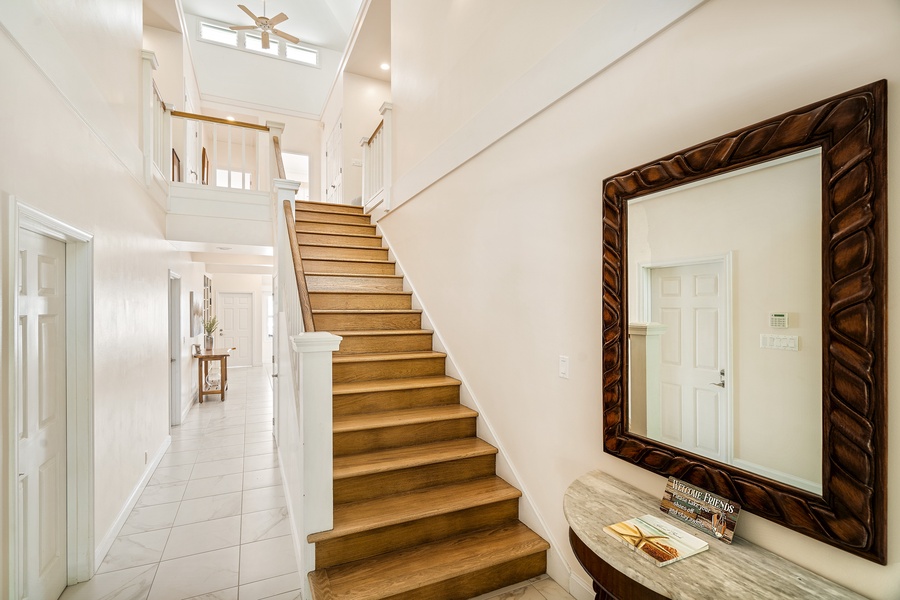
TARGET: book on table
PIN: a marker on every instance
(656, 540)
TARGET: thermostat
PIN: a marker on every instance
(778, 320)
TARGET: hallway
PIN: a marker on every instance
(212, 521)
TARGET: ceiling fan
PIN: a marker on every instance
(266, 25)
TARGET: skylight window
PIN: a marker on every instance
(304, 55)
(254, 42)
(221, 35)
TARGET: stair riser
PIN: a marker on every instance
(367, 402)
(338, 252)
(373, 241)
(385, 343)
(337, 283)
(333, 208)
(315, 215)
(311, 226)
(386, 369)
(353, 268)
(378, 485)
(406, 535)
(366, 321)
(354, 442)
(324, 301)
(472, 585)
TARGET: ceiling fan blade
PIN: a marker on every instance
(247, 10)
(287, 36)
(241, 27)
(265, 40)
(279, 18)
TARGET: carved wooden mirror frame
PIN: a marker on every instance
(851, 130)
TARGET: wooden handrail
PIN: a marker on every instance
(279, 161)
(196, 117)
(374, 133)
(305, 307)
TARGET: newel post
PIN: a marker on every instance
(314, 415)
(388, 151)
(148, 111)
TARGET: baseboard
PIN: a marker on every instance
(581, 589)
(107, 541)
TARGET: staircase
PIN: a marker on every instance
(418, 509)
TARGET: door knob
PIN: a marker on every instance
(721, 382)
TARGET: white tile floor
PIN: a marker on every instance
(211, 523)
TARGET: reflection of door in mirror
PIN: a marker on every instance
(766, 221)
(689, 302)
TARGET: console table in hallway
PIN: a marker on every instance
(205, 356)
(736, 572)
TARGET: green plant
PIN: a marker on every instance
(210, 325)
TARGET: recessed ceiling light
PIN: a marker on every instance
(223, 247)
(385, 66)
(229, 118)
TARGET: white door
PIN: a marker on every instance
(174, 349)
(334, 169)
(689, 301)
(41, 460)
(236, 327)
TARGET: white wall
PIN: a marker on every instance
(169, 76)
(505, 251)
(69, 120)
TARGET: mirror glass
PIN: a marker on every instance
(725, 318)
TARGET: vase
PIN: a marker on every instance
(208, 342)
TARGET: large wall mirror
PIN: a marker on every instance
(744, 308)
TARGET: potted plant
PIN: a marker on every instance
(210, 326)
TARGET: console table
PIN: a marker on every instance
(204, 356)
(739, 571)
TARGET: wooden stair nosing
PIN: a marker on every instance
(377, 332)
(376, 275)
(393, 385)
(383, 461)
(329, 206)
(355, 261)
(341, 234)
(420, 566)
(368, 515)
(398, 418)
(373, 357)
(298, 221)
(345, 246)
(367, 311)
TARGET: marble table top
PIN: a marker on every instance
(739, 571)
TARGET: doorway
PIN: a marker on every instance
(49, 316)
(690, 300)
(174, 349)
(334, 152)
(236, 329)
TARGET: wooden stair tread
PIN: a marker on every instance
(377, 275)
(362, 292)
(429, 564)
(392, 385)
(321, 245)
(328, 207)
(375, 357)
(383, 461)
(367, 311)
(374, 332)
(367, 515)
(298, 221)
(359, 261)
(341, 234)
(395, 418)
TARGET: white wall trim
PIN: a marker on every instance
(79, 386)
(581, 589)
(608, 35)
(106, 543)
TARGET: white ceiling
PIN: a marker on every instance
(325, 23)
